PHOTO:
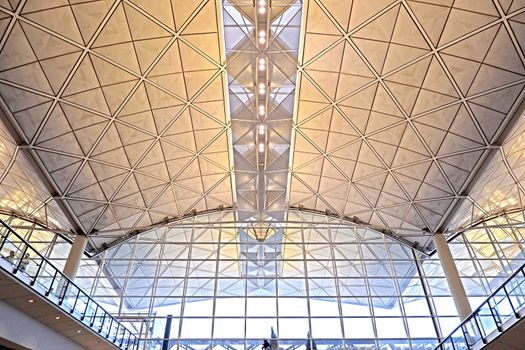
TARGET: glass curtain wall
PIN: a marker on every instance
(486, 255)
(340, 284)
(216, 282)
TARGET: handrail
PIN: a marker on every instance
(501, 305)
(52, 284)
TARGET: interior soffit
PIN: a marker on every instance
(122, 108)
(400, 105)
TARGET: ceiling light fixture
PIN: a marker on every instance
(262, 64)
(30, 301)
(262, 7)
(262, 37)
(262, 88)
(262, 110)
(57, 317)
(262, 129)
(261, 147)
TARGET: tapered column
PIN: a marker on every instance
(75, 256)
(452, 275)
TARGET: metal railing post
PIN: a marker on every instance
(116, 333)
(510, 302)
(17, 267)
(4, 240)
(33, 281)
(51, 284)
(109, 328)
(102, 322)
(481, 335)
(129, 338)
(495, 316)
(75, 303)
(62, 295)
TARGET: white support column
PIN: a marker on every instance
(75, 256)
(451, 273)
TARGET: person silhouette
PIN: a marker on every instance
(11, 257)
(265, 345)
(25, 261)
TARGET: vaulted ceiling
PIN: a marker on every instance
(122, 114)
(399, 105)
(121, 105)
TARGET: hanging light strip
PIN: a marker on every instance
(261, 31)
(261, 40)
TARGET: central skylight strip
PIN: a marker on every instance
(262, 41)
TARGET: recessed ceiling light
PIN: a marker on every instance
(262, 64)
(30, 301)
(79, 331)
(57, 318)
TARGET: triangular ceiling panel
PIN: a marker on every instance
(397, 106)
(120, 81)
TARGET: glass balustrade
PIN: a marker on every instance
(502, 306)
(18, 258)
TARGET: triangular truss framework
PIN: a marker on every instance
(400, 104)
(400, 120)
(121, 106)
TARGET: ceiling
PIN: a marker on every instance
(121, 105)
(399, 105)
(120, 114)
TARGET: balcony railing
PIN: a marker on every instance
(31, 268)
(502, 308)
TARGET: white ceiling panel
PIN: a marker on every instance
(122, 105)
(399, 105)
